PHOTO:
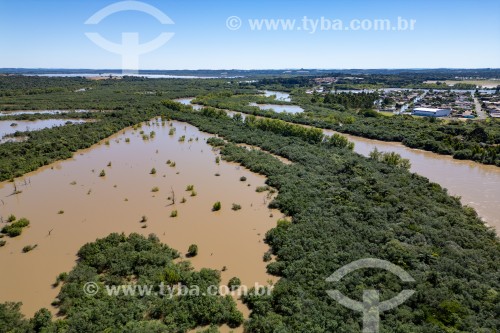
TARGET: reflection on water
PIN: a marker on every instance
(280, 96)
(96, 206)
(187, 101)
(279, 108)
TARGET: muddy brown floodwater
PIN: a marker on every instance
(96, 206)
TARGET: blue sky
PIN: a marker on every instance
(51, 34)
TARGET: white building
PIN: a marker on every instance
(431, 112)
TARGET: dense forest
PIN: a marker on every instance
(341, 207)
(40, 93)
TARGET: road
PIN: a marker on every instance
(480, 113)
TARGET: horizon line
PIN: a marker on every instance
(253, 69)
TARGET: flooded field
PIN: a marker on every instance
(72, 202)
(12, 126)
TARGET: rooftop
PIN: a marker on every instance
(428, 109)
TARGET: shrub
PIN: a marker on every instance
(102, 174)
(234, 283)
(60, 212)
(153, 171)
(12, 231)
(267, 256)
(16, 228)
(283, 223)
(173, 213)
(29, 248)
(11, 218)
(183, 200)
(182, 138)
(217, 160)
(155, 189)
(60, 278)
(2, 242)
(217, 206)
(21, 223)
(189, 187)
(260, 189)
(109, 164)
(127, 140)
(144, 218)
(236, 207)
(172, 131)
(243, 179)
(216, 142)
(193, 193)
(192, 250)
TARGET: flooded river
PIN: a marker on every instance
(69, 204)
